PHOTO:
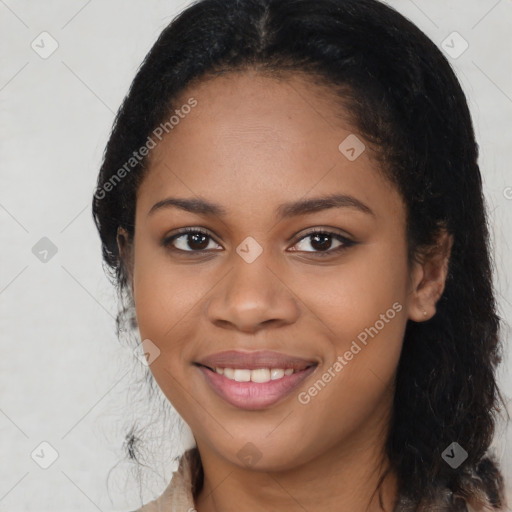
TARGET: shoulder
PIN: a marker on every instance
(178, 496)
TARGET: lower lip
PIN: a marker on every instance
(254, 395)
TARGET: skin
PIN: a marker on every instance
(251, 144)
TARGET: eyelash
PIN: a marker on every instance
(346, 242)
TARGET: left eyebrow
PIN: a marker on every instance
(286, 210)
(316, 204)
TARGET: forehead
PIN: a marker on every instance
(253, 136)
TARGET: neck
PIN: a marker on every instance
(354, 479)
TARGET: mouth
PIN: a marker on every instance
(260, 375)
(254, 380)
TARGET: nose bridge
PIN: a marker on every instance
(251, 294)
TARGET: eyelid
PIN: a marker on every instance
(325, 230)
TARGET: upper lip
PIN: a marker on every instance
(254, 360)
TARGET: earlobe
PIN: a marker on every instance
(428, 279)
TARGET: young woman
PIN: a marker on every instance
(291, 201)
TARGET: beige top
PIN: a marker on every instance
(178, 496)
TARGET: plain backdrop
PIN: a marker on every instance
(64, 377)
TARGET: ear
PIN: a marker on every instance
(125, 249)
(428, 278)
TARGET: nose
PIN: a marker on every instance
(251, 297)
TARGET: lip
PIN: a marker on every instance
(254, 395)
(238, 359)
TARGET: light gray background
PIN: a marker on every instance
(64, 378)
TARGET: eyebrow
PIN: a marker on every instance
(285, 210)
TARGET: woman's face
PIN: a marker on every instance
(332, 307)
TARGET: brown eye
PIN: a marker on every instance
(190, 240)
(323, 242)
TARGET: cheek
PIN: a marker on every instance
(163, 295)
(362, 309)
(371, 282)
(164, 306)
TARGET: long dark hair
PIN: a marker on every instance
(405, 99)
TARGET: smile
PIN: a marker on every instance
(254, 389)
(259, 375)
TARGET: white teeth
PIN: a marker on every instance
(242, 375)
(276, 373)
(260, 375)
(229, 373)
